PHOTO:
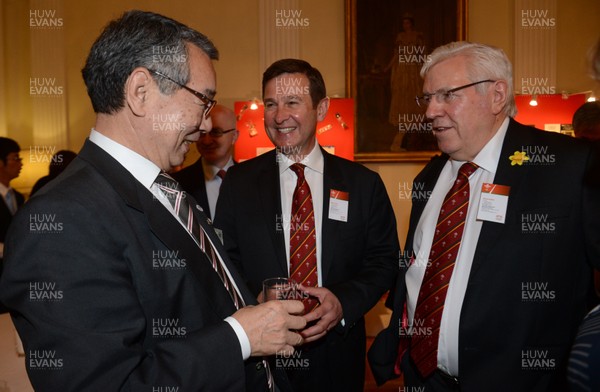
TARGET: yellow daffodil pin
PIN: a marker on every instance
(518, 158)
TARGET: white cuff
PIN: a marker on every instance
(242, 337)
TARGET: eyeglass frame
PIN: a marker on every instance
(448, 95)
(216, 133)
(208, 103)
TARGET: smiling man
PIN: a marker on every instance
(114, 277)
(324, 221)
(499, 251)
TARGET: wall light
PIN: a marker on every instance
(254, 104)
(533, 101)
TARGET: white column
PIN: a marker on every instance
(279, 30)
(535, 47)
(47, 83)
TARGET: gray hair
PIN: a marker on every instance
(139, 39)
(483, 62)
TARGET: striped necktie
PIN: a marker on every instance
(179, 201)
(303, 240)
(444, 249)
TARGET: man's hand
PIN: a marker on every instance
(328, 314)
(269, 326)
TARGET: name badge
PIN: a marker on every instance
(338, 205)
(493, 203)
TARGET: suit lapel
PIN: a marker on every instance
(209, 230)
(332, 179)
(200, 192)
(164, 225)
(270, 202)
(505, 175)
(426, 181)
(168, 229)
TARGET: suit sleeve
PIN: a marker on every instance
(71, 286)
(378, 255)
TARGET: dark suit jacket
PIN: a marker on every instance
(5, 219)
(100, 276)
(527, 289)
(359, 257)
(191, 179)
(6, 216)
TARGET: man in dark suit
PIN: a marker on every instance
(115, 279)
(10, 167)
(502, 301)
(203, 178)
(343, 231)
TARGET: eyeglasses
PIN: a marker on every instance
(215, 132)
(445, 96)
(208, 103)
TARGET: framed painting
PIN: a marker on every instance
(387, 42)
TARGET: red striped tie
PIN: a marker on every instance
(303, 240)
(444, 249)
(179, 200)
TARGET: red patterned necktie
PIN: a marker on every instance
(303, 239)
(221, 173)
(179, 201)
(444, 249)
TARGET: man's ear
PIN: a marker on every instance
(322, 109)
(137, 90)
(500, 97)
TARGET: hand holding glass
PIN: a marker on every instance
(279, 289)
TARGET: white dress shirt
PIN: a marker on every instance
(313, 172)
(146, 172)
(487, 160)
(11, 202)
(213, 184)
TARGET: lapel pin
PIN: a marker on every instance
(518, 158)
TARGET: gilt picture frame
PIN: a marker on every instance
(387, 41)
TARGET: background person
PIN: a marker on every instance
(585, 355)
(586, 121)
(203, 178)
(10, 167)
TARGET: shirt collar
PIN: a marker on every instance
(144, 170)
(4, 189)
(314, 160)
(489, 156)
(210, 171)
